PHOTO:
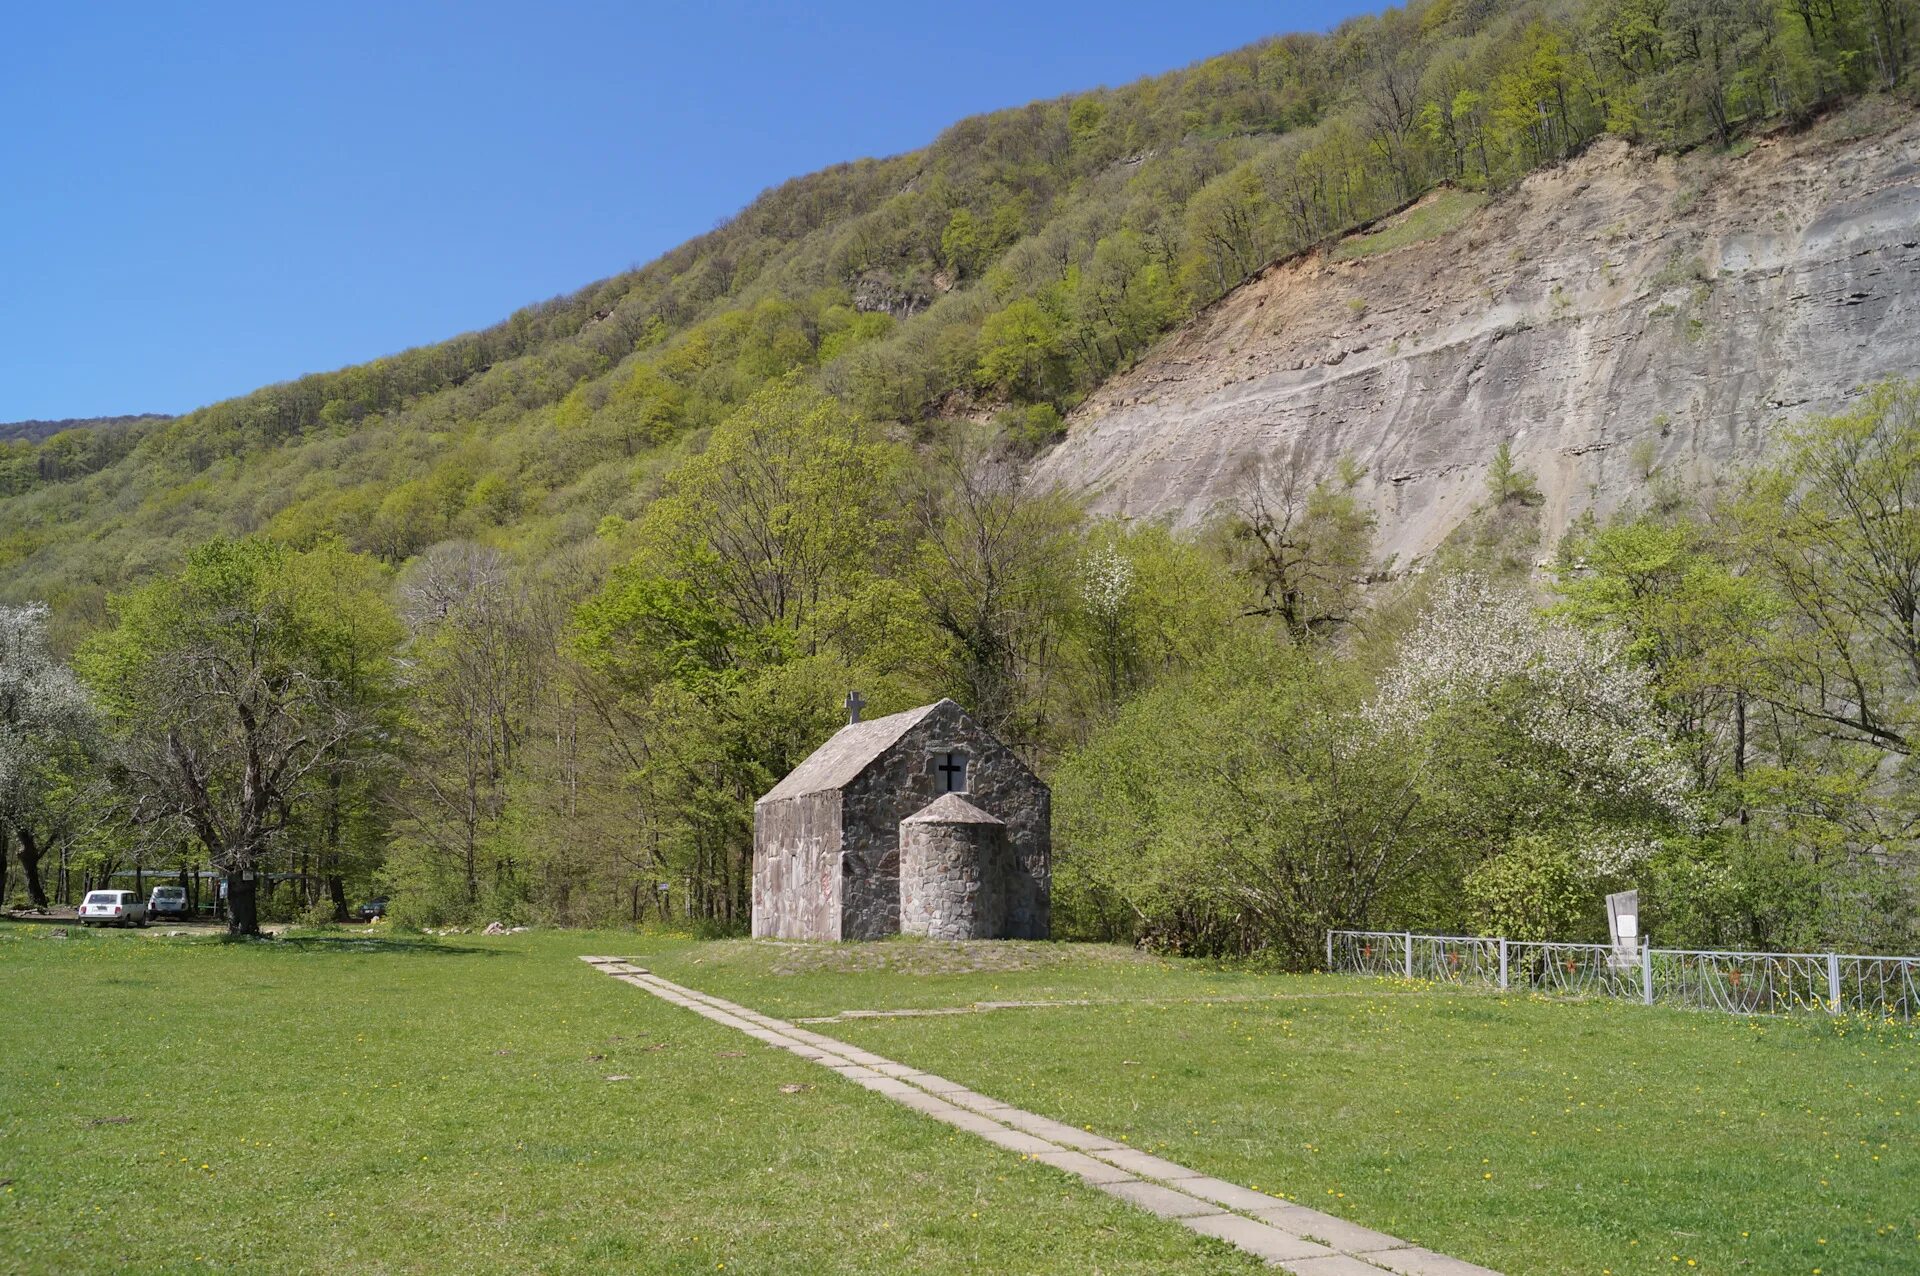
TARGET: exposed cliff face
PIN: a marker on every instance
(1698, 304)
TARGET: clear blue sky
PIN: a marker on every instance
(198, 199)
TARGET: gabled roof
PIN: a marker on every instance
(847, 753)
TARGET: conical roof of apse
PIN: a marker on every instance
(951, 808)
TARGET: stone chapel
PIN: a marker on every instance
(918, 822)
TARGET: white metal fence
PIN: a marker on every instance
(1737, 982)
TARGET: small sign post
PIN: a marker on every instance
(1623, 920)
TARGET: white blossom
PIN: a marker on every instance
(41, 702)
(1107, 581)
(1579, 696)
(1611, 852)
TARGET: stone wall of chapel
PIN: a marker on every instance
(796, 868)
(904, 780)
(954, 879)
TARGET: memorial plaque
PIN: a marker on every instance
(1623, 921)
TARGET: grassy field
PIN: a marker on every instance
(341, 1105)
(1431, 218)
(345, 1104)
(1532, 1136)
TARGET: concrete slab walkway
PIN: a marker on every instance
(1291, 1237)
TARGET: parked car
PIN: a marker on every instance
(167, 901)
(112, 908)
(373, 908)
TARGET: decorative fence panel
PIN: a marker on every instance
(1575, 970)
(1455, 959)
(1735, 982)
(1884, 986)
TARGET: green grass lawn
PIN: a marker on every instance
(419, 1105)
(797, 980)
(1528, 1135)
(335, 1105)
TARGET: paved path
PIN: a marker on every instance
(1292, 1237)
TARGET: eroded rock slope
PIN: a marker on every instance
(1622, 313)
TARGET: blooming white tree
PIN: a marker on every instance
(1106, 582)
(1585, 713)
(46, 725)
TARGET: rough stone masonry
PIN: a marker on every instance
(827, 840)
(955, 868)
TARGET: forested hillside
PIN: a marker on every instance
(36, 453)
(1018, 261)
(37, 431)
(524, 620)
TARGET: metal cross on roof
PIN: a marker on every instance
(854, 705)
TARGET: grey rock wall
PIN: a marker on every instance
(1622, 314)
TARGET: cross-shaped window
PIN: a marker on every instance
(952, 770)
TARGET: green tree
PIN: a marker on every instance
(1307, 548)
(1836, 528)
(1697, 623)
(479, 649)
(1508, 482)
(234, 684)
(1024, 349)
(782, 513)
(993, 570)
(1225, 233)
(644, 410)
(961, 244)
(1534, 890)
(728, 634)
(1152, 605)
(1242, 808)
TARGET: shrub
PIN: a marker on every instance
(1533, 890)
(1028, 430)
(318, 915)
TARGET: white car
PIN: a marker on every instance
(112, 908)
(167, 901)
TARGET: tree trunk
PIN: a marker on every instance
(330, 856)
(30, 852)
(1740, 749)
(243, 915)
